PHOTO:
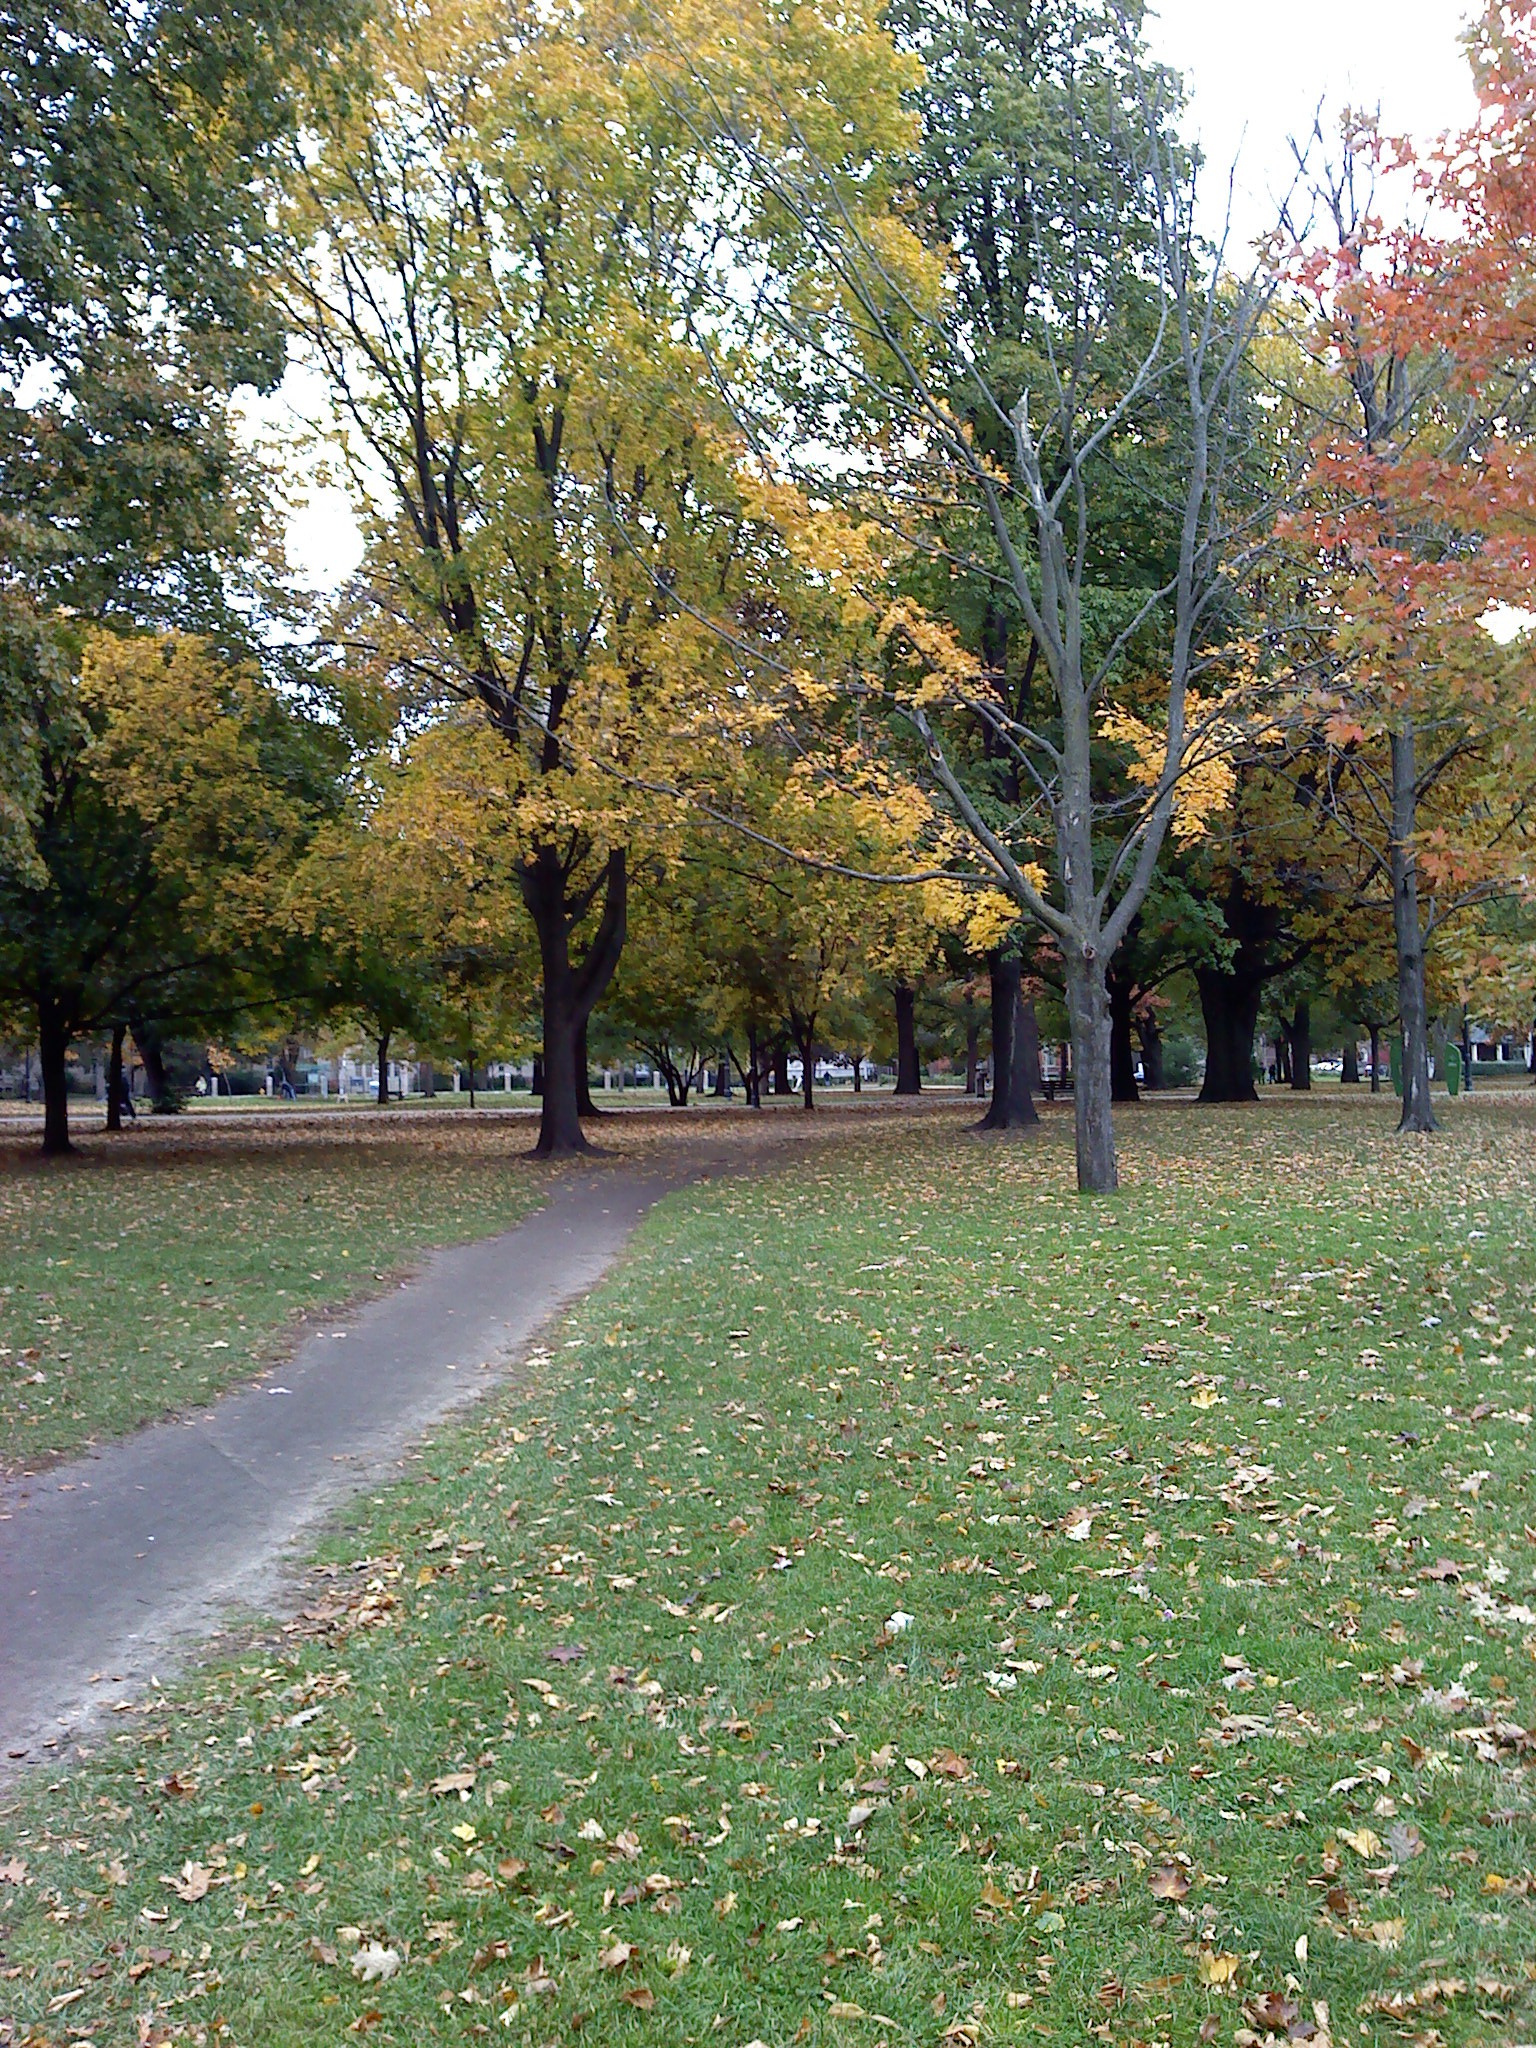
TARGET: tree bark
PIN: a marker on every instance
(1229, 1004)
(570, 990)
(1375, 1059)
(909, 1079)
(585, 1106)
(115, 1079)
(1408, 933)
(1092, 1104)
(151, 1047)
(1149, 1031)
(1299, 1037)
(972, 1055)
(52, 1051)
(1122, 1050)
(806, 1046)
(383, 1050)
(427, 1079)
(781, 1068)
(1351, 1074)
(1015, 1050)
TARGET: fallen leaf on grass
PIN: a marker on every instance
(1364, 1841)
(375, 1964)
(192, 1882)
(1388, 1933)
(1168, 1881)
(461, 1782)
(1218, 1967)
(641, 1996)
(616, 1957)
(1405, 1842)
(13, 1871)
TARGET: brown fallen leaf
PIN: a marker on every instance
(1169, 1881)
(616, 1957)
(460, 1782)
(191, 1883)
(641, 1996)
(13, 1871)
(945, 1764)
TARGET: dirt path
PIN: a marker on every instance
(113, 1566)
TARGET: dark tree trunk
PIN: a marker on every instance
(751, 1075)
(858, 1073)
(115, 1079)
(1229, 1004)
(585, 1106)
(1351, 1073)
(1122, 1049)
(383, 1088)
(1299, 1040)
(570, 991)
(535, 1079)
(722, 1086)
(806, 1046)
(972, 1055)
(152, 1053)
(1408, 932)
(781, 1068)
(1015, 1050)
(52, 1050)
(1375, 1059)
(909, 1079)
(1150, 1032)
(1282, 1054)
(427, 1080)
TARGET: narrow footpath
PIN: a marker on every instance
(115, 1566)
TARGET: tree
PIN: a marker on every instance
(1420, 520)
(1124, 332)
(496, 231)
(178, 792)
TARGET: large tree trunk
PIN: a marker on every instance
(1299, 1037)
(1229, 1003)
(1092, 1104)
(52, 1051)
(1150, 1032)
(1408, 933)
(115, 1079)
(781, 1068)
(383, 1052)
(570, 990)
(1351, 1063)
(909, 1079)
(1122, 1049)
(1015, 1050)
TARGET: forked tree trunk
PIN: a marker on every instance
(1092, 1105)
(570, 990)
(1122, 1049)
(52, 1053)
(115, 1079)
(383, 1051)
(1229, 1004)
(1408, 932)
(1015, 1050)
(1299, 1038)
(909, 1079)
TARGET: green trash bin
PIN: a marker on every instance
(1451, 1067)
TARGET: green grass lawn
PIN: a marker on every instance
(155, 1269)
(913, 1606)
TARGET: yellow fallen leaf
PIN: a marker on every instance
(1218, 1967)
(1388, 1933)
(1364, 1841)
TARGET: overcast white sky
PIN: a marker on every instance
(1256, 72)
